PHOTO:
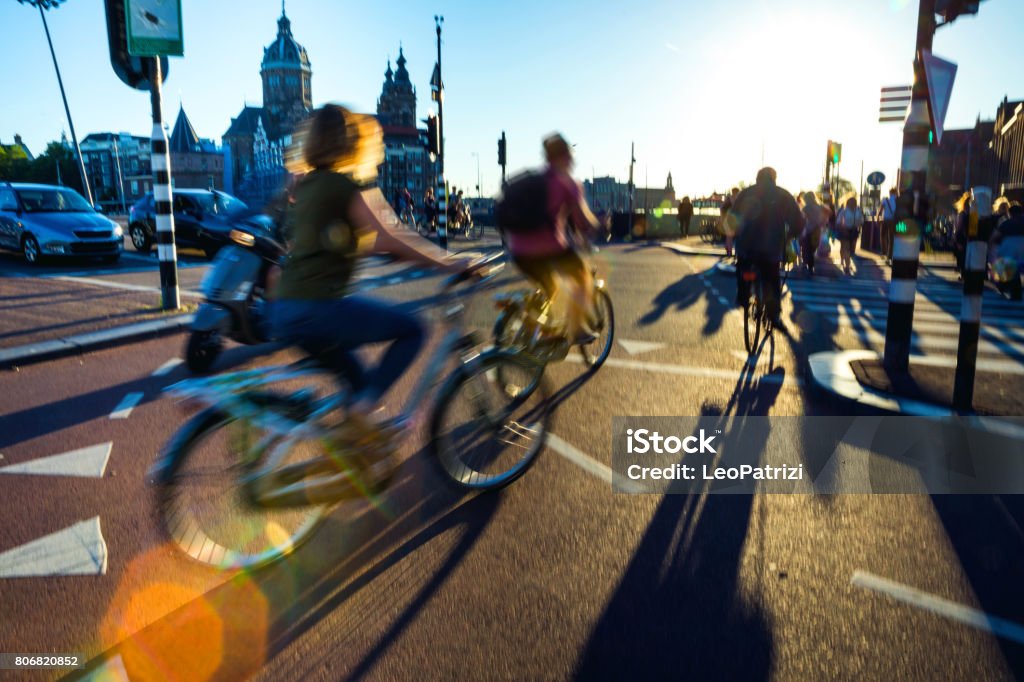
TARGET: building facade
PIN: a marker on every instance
(1007, 149)
(195, 162)
(118, 168)
(608, 194)
(255, 143)
(407, 163)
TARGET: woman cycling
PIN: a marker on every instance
(335, 219)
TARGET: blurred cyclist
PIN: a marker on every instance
(549, 255)
(763, 218)
(333, 222)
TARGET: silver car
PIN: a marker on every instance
(46, 220)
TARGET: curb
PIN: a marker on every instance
(82, 343)
(831, 372)
(691, 251)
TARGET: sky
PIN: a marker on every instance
(705, 90)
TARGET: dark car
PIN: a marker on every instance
(42, 221)
(202, 220)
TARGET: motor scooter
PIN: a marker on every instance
(234, 290)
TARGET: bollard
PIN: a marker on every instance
(162, 198)
(442, 213)
(975, 262)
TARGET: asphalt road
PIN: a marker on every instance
(556, 576)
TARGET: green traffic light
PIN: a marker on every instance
(931, 137)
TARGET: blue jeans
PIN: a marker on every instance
(331, 330)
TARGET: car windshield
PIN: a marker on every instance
(55, 200)
(219, 203)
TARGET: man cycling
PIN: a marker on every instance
(547, 255)
(763, 218)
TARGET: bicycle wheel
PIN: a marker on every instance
(752, 316)
(482, 437)
(597, 351)
(206, 509)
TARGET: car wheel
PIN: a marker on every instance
(30, 249)
(140, 238)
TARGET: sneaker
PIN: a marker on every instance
(584, 337)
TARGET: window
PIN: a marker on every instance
(135, 186)
(8, 202)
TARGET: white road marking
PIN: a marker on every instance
(702, 372)
(112, 670)
(585, 461)
(121, 285)
(633, 347)
(724, 301)
(167, 367)
(943, 607)
(88, 462)
(77, 550)
(126, 406)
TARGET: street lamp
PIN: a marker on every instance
(54, 4)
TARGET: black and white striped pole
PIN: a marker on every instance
(162, 198)
(975, 265)
(912, 206)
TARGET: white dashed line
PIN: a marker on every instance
(167, 367)
(585, 461)
(943, 607)
(126, 406)
(701, 372)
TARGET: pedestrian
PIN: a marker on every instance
(963, 217)
(723, 227)
(887, 212)
(430, 209)
(1006, 251)
(849, 222)
(1001, 209)
(685, 215)
(815, 219)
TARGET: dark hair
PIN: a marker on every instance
(1016, 209)
(328, 139)
(766, 176)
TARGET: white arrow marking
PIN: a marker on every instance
(167, 367)
(634, 347)
(112, 670)
(77, 550)
(88, 462)
(126, 406)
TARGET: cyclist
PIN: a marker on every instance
(548, 256)
(764, 218)
(334, 220)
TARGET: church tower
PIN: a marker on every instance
(397, 103)
(286, 73)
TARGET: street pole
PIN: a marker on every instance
(120, 178)
(504, 145)
(67, 110)
(975, 262)
(162, 197)
(912, 206)
(477, 155)
(442, 204)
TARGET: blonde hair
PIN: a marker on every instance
(962, 202)
(337, 139)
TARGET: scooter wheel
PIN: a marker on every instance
(202, 350)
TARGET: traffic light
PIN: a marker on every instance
(433, 138)
(133, 71)
(835, 152)
(951, 9)
(501, 150)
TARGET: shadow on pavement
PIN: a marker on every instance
(681, 295)
(679, 611)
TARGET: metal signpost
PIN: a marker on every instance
(152, 30)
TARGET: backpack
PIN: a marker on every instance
(522, 207)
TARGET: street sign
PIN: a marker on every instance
(154, 28)
(133, 71)
(893, 104)
(938, 75)
(876, 179)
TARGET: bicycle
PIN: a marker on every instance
(526, 316)
(755, 312)
(408, 218)
(278, 456)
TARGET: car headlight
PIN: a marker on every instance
(118, 231)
